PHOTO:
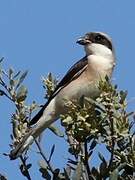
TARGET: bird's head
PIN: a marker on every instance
(96, 43)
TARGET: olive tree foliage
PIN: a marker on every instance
(88, 124)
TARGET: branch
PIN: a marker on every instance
(86, 158)
(112, 138)
(44, 157)
(25, 172)
(3, 93)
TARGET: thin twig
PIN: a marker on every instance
(82, 160)
(73, 143)
(7, 89)
(53, 171)
(132, 151)
(4, 84)
(112, 138)
(86, 158)
(44, 157)
(26, 169)
(3, 93)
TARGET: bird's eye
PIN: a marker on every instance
(98, 38)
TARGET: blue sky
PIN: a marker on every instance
(40, 36)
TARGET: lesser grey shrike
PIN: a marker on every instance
(81, 80)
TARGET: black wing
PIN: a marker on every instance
(72, 74)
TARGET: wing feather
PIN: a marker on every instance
(72, 74)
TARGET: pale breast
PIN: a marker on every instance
(87, 83)
(82, 86)
(100, 66)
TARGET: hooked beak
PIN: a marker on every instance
(83, 41)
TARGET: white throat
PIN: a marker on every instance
(100, 59)
(99, 50)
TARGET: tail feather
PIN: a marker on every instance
(45, 119)
(22, 146)
(29, 138)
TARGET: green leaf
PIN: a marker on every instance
(50, 77)
(56, 131)
(45, 174)
(78, 172)
(10, 73)
(67, 172)
(114, 175)
(17, 74)
(21, 79)
(24, 170)
(66, 121)
(12, 83)
(123, 95)
(42, 164)
(21, 94)
(1, 60)
(29, 166)
(43, 170)
(56, 173)
(81, 101)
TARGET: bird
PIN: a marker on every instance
(80, 80)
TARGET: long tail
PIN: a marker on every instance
(48, 117)
(27, 140)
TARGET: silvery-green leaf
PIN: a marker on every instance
(42, 164)
(114, 175)
(43, 170)
(21, 78)
(17, 74)
(78, 172)
(29, 166)
(67, 172)
(21, 94)
(68, 120)
(50, 77)
(45, 174)
(10, 73)
(1, 59)
(12, 82)
(123, 95)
